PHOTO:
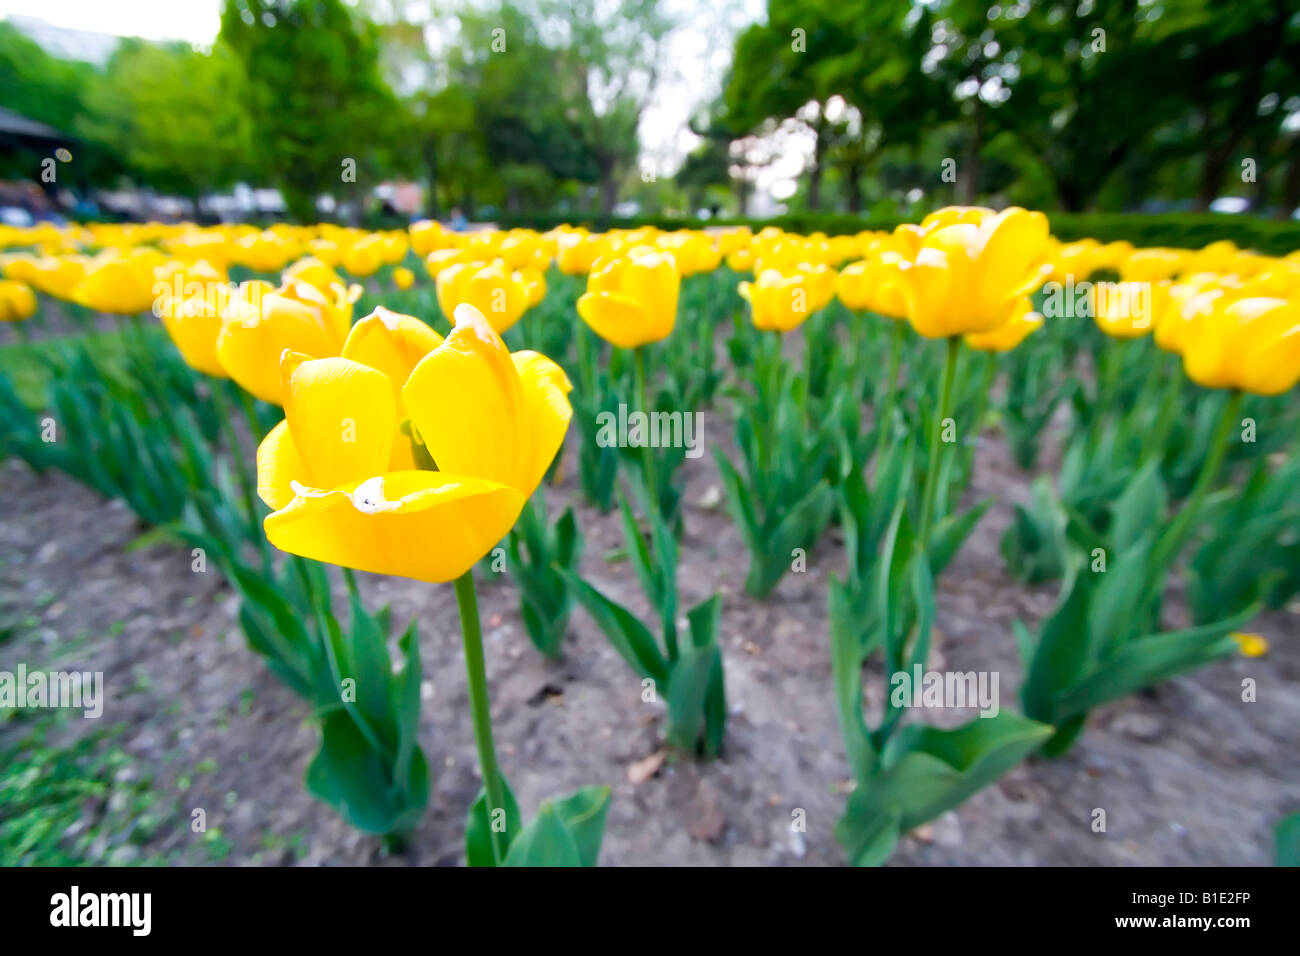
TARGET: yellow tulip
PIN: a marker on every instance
(575, 253)
(119, 283)
(177, 282)
(820, 280)
(56, 276)
(193, 324)
(956, 215)
(393, 247)
(741, 260)
(314, 271)
(426, 236)
(264, 251)
(364, 257)
(403, 278)
(1216, 257)
(441, 259)
(490, 421)
(874, 285)
(523, 249)
(392, 343)
(501, 295)
(778, 302)
(1112, 255)
(972, 267)
(17, 301)
(1252, 344)
(1250, 645)
(694, 252)
(1152, 265)
(631, 299)
(256, 329)
(1006, 337)
(535, 281)
(1074, 259)
(1123, 310)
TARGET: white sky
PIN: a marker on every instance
(698, 52)
(197, 21)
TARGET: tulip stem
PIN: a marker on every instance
(250, 412)
(585, 373)
(480, 709)
(237, 463)
(932, 464)
(1167, 545)
(651, 486)
(1164, 420)
(1107, 374)
(885, 420)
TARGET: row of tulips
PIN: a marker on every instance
(412, 445)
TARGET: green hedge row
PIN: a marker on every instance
(1180, 230)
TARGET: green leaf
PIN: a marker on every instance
(405, 706)
(1140, 507)
(951, 533)
(846, 672)
(544, 842)
(687, 690)
(633, 641)
(1121, 597)
(1058, 655)
(1288, 841)
(928, 771)
(583, 813)
(350, 776)
(703, 620)
(1148, 660)
(369, 664)
(478, 827)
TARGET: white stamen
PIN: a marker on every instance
(368, 497)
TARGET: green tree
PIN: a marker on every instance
(51, 91)
(316, 96)
(173, 114)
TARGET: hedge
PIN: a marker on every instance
(1179, 230)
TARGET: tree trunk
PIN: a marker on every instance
(741, 189)
(1291, 187)
(815, 174)
(608, 189)
(1212, 175)
(853, 186)
(968, 179)
(431, 205)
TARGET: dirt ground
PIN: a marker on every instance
(1187, 773)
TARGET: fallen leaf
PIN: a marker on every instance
(642, 770)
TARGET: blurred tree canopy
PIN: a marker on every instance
(1073, 104)
(175, 115)
(519, 106)
(322, 114)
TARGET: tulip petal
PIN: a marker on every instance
(616, 318)
(1016, 247)
(546, 409)
(278, 466)
(428, 525)
(392, 343)
(467, 402)
(925, 285)
(342, 417)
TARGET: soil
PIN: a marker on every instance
(1187, 773)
